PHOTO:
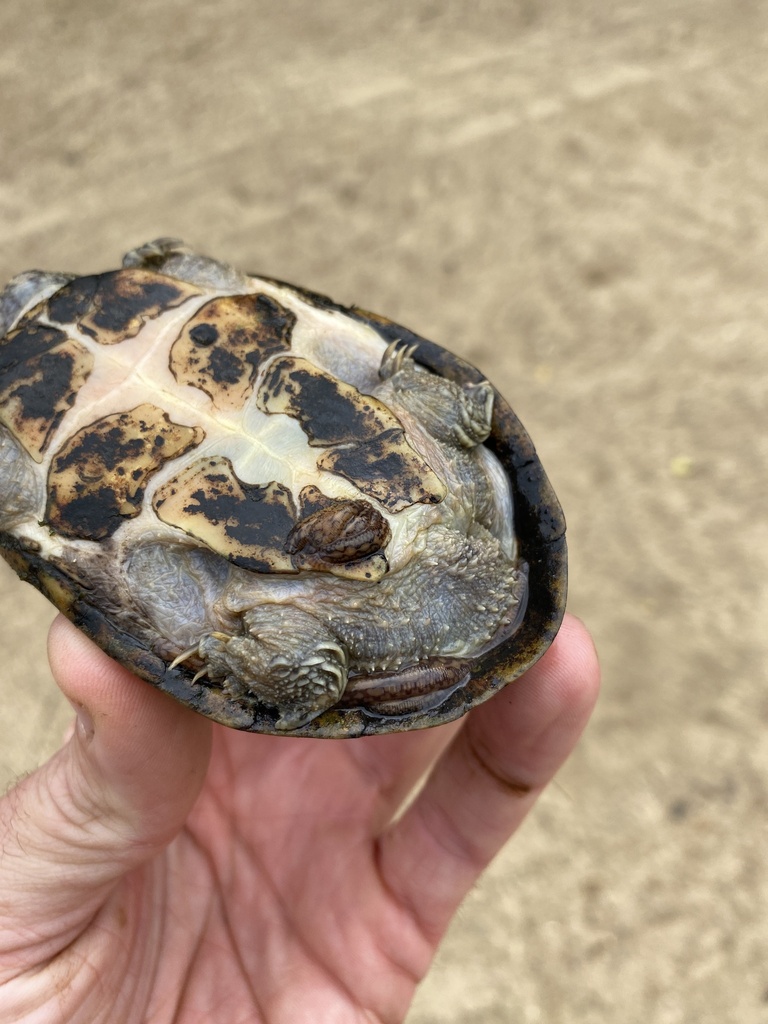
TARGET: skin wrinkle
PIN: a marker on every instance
(150, 940)
(80, 818)
(69, 952)
(477, 752)
(214, 904)
(24, 853)
(212, 867)
(139, 890)
(77, 808)
(230, 932)
(187, 836)
(456, 851)
(76, 966)
(155, 892)
(289, 921)
(410, 912)
(387, 775)
(201, 945)
(69, 964)
(235, 837)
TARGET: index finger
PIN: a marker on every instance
(488, 779)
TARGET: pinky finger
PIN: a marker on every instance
(488, 779)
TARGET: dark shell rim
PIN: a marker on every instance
(540, 529)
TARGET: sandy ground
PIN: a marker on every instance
(574, 197)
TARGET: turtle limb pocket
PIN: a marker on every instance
(284, 659)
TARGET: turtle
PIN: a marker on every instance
(296, 517)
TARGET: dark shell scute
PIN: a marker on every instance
(221, 348)
(98, 477)
(365, 442)
(385, 468)
(330, 412)
(29, 340)
(112, 307)
(246, 523)
(41, 372)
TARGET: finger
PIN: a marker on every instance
(393, 765)
(488, 780)
(114, 795)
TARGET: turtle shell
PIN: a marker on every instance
(134, 440)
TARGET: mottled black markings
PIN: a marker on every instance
(29, 340)
(112, 307)
(204, 334)
(250, 513)
(40, 399)
(225, 367)
(41, 372)
(98, 477)
(74, 300)
(327, 414)
(312, 499)
(382, 470)
(263, 517)
(365, 440)
(222, 347)
(246, 523)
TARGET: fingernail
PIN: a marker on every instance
(84, 723)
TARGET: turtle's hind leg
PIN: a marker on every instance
(285, 659)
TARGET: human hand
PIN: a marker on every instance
(160, 868)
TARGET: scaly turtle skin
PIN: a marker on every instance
(292, 516)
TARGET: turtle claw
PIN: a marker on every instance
(181, 658)
(458, 414)
(398, 356)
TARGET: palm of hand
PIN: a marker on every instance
(275, 899)
(276, 882)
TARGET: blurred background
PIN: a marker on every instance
(572, 196)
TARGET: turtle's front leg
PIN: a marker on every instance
(284, 658)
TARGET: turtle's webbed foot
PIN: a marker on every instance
(474, 410)
(286, 660)
(456, 414)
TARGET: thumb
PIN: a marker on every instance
(115, 794)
